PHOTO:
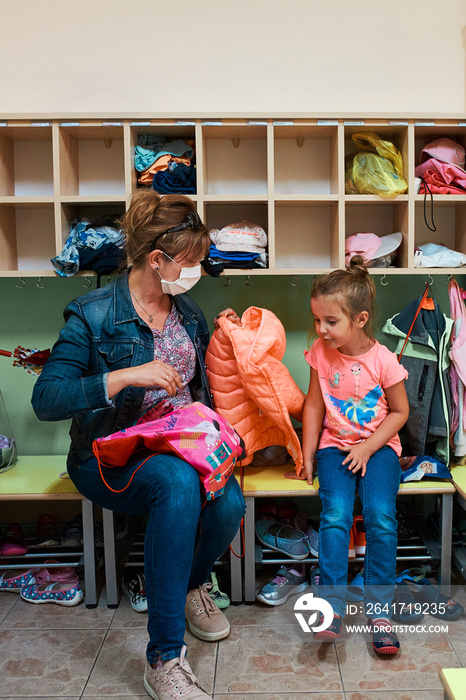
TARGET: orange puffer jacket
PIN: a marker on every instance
(251, 387)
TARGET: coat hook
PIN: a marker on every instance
(228, 283)
(88, 280)
(41, 286)
(450, 277)
(431, 280)
(295, 284)
(21, 286)
(384, 284)
(300, 141)
(108, 143)
(235, 141)
(248, 281)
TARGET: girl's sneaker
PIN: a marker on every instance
(221, 599)
(384, 640)
(331, 632)
(14, 543)
(47, 534)
(135, 589)
(14, 580)
(284, 584)
(60, 586)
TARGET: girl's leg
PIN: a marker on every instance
(337, 489)
(378, 490)
(218, 524)
(169, 490)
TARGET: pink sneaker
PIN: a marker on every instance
(14, 543)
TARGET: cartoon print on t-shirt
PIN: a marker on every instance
(336, 375)
(356, 371)
(359, 411)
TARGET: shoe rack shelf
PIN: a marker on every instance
(285, 174)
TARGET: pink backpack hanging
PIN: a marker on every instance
(194, 433)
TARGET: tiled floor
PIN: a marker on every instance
(52, 652)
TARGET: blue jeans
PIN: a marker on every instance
(183, 537)
(377, 491)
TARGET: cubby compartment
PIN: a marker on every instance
(381, 218)
(305, 160)
(164, 131)
(91, 210)
(27, 236)
(397, 134)
(91, 160)
(425, 135)
(235, 159)
(306, 236)
(26, 162)
(450, 221)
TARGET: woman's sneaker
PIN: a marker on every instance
(135, 589)
(284, 584)
(205, 620)
(174, 679)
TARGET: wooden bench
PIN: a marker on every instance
(37, 478)
(454, 683)
(260, 482)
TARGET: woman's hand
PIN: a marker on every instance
(231, 316)
(155, 373)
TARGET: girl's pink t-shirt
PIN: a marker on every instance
(353, 392)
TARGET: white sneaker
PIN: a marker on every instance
(205, 620)
(135, 589)
(174, 679)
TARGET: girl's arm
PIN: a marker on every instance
(313, 416)
(398, 414)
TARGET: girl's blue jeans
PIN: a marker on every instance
(183, 537)
(377, 491)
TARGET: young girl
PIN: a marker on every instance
(357, 398)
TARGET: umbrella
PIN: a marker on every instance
(32, 360)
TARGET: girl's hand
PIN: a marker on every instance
(358, 457)
(231, 316)
(306, 474)
(155, 373)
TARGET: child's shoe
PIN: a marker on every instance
(47, 534)
(284, 584)
(135, 589)
(384, 640)
(309, 528)
(15, 580)
(331, 632)
(314, 575)
(351, 551)
(14, 543)
(60, 586)
(221, 599)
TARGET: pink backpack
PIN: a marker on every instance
(194, 433)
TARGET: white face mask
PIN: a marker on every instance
(187, 279)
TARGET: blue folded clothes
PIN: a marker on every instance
(145, 157)
(231, 255)
(179, 179)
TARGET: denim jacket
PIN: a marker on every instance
(103, 333)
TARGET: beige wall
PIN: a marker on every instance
(243, 56)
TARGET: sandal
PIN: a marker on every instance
(439, 605)
(404, 606)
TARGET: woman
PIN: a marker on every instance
(126, 352)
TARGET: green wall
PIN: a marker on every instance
(32, 317)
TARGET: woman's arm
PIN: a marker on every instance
(397, 399)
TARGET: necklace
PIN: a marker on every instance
(151, 316)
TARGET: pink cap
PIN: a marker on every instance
(445, 150)
(370, 246)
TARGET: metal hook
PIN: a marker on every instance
(228, 283)
(431, 280)
(21, 286)
(41, 286)
(384, 284)
(109, 279)
(295, 284)
(247, 281)
(88, 279)
(450, 277)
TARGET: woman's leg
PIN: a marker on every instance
(378, 490)
(169, 490)
(337, 489)
(218, 524)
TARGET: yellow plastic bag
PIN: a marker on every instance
(376, 169)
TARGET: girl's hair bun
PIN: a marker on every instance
(357, 266)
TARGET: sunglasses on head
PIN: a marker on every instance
(192, 220)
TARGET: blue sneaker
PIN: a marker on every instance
(308, 527)
(279, 589)
(282, 538)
